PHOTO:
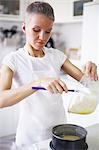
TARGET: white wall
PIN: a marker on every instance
(68, 35)
(73, 34)
(90, 34)
(65, 35)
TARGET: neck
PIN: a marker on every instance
(33, 52)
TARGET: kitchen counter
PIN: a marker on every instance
(92, 141)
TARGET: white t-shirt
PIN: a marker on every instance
(42, 110)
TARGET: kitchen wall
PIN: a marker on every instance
(66, 36)
(70, 34)
(68, 39)
(10, 41)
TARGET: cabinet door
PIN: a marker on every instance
(9, 9)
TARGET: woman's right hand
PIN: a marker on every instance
(53, 85)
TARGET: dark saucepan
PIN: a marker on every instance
(68, 137)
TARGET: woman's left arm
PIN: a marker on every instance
(72, 70)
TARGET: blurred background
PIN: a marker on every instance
(75, 32)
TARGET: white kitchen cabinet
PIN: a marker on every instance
(16, 9)
(9, 9)
(63, 10)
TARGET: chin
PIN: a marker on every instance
(39, 47)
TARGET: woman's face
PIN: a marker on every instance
(38, 30)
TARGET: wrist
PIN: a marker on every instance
(85, 80)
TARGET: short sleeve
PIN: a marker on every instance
(59, 57)
(9, 60)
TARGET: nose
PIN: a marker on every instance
(41, 35)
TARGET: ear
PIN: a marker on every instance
(23, 27)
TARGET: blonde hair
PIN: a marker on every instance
(39, 7)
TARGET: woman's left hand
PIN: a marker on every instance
(91, 70)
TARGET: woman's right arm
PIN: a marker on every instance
(10, 96)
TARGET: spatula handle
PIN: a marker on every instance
(42, 88)
(38, 88)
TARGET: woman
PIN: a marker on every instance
(37, 66)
